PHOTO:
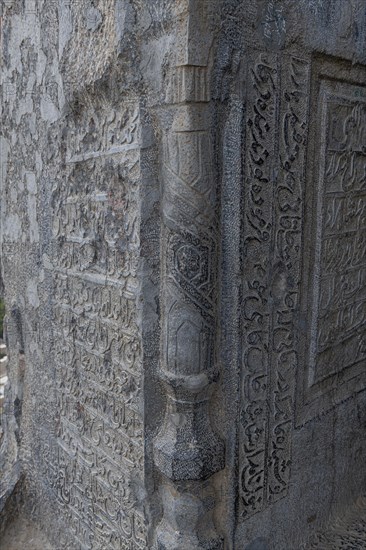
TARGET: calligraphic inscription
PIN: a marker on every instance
(101, 132)
(261, 127)
(276, 134)
(336, 341)
(286, 270)
(341, 338)
(100, 451)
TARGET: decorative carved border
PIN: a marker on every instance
(276, 137)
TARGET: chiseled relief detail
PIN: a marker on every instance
(187, 450)
(253, 433)
(99, 452)
(341, 336)
(276, 130)
(335, 357)
(286, 270)
(104, 133)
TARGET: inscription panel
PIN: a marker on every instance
(334, 300)
(99, 452)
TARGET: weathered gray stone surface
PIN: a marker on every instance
(347, 531)
(183, 250)
(22, 533)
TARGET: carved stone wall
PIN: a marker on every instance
(183, 257)
(291, 99)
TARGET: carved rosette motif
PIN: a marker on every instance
(276, 133)
(187, 450)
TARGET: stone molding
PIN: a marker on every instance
(187, 450)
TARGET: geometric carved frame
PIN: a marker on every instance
(332, 365)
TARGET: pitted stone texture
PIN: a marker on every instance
(347, 532)
(24, 534)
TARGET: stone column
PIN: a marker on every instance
(187, 451)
